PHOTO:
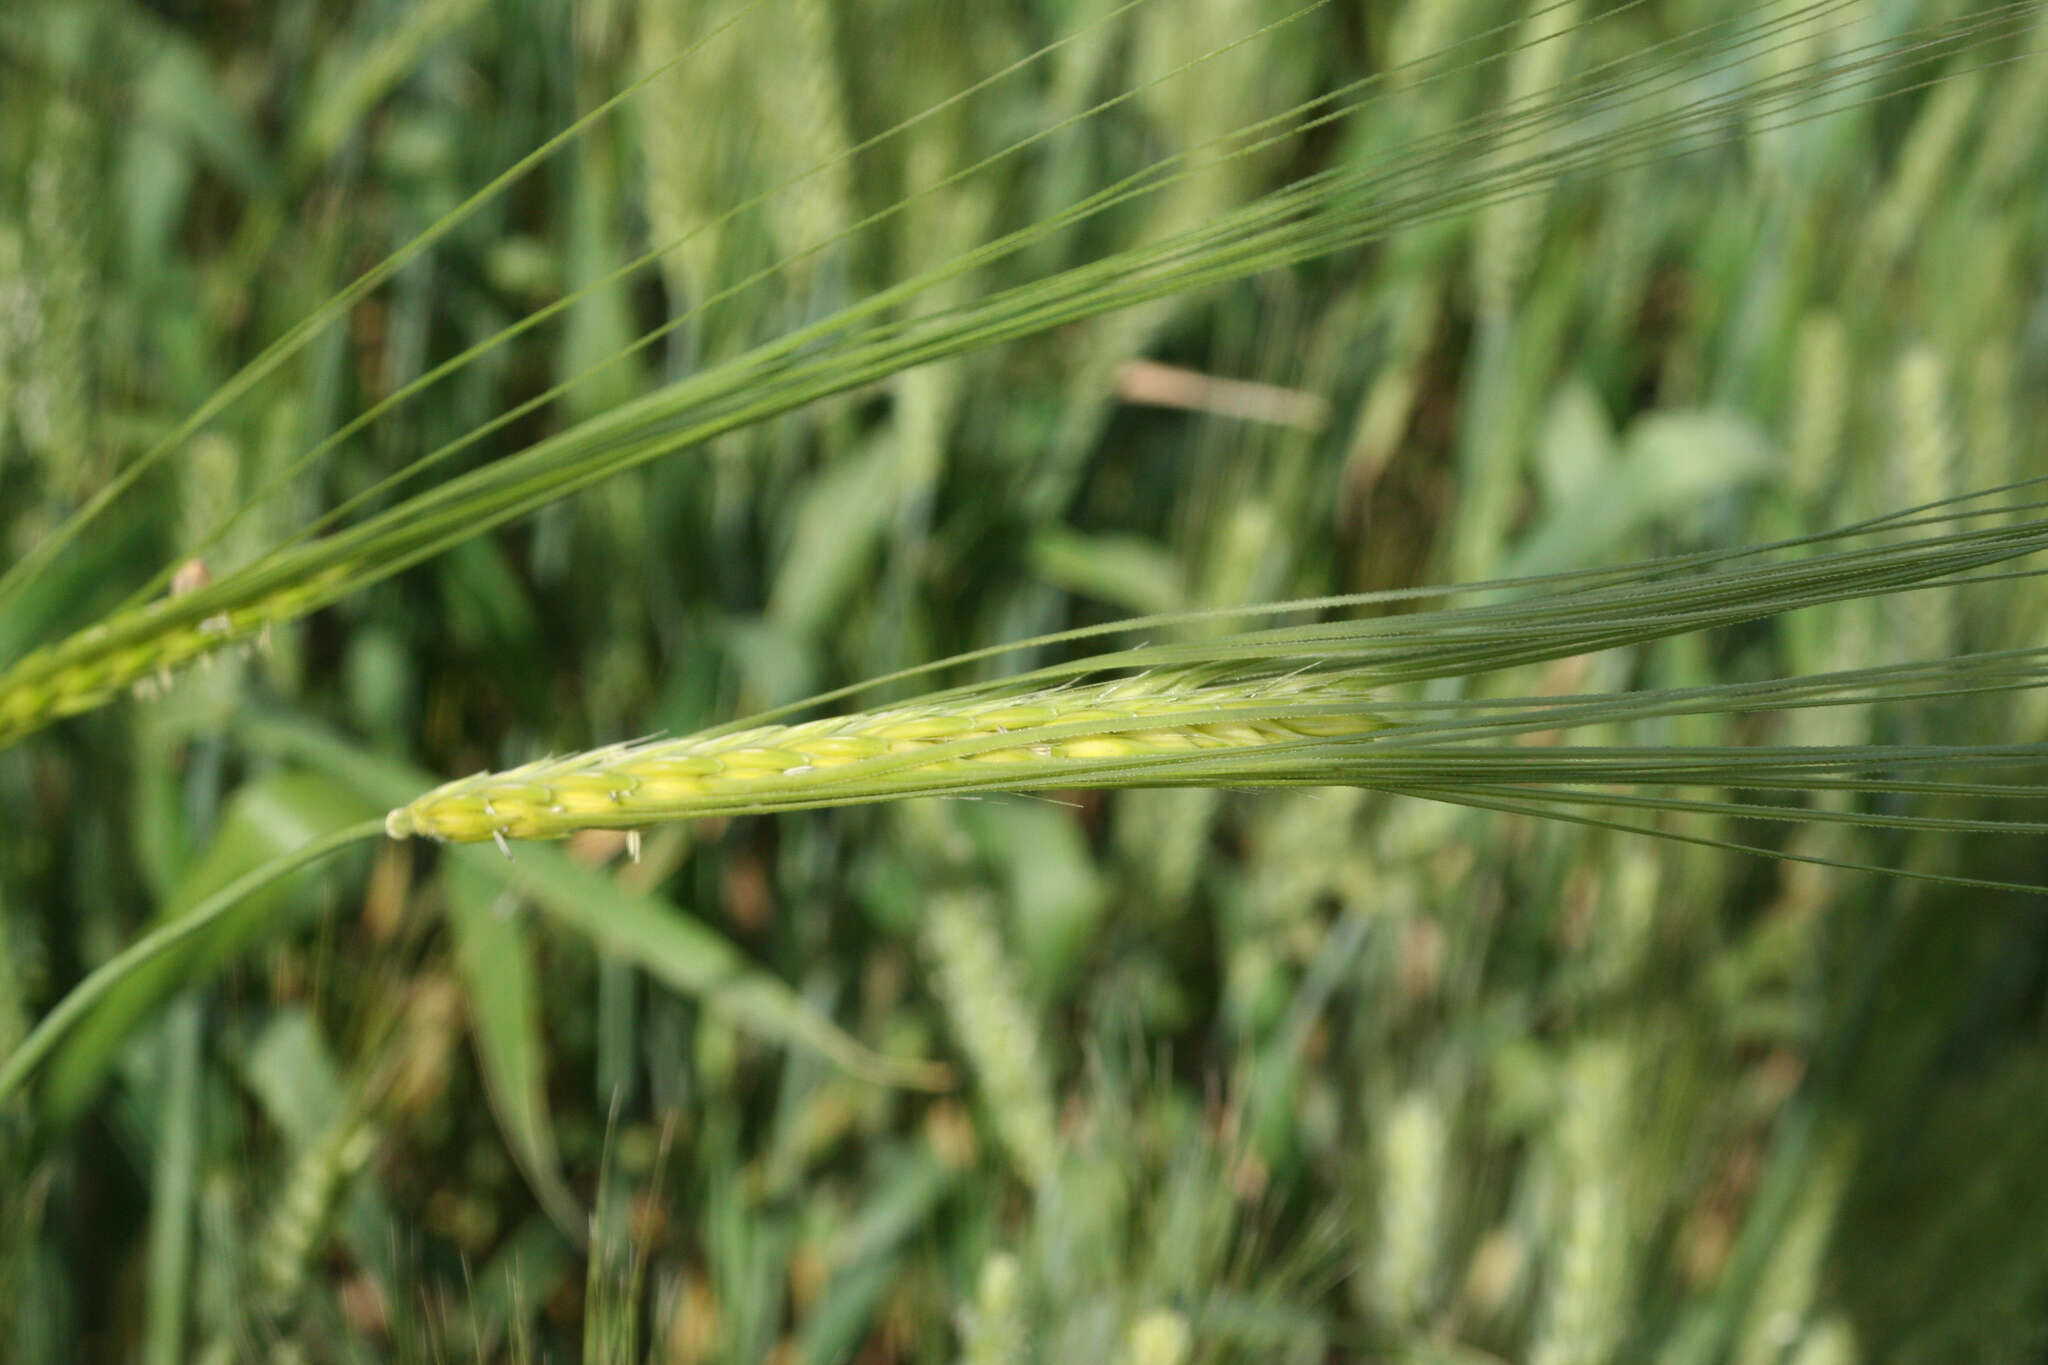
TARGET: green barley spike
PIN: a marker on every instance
(54, 398)
(1820, 406)
(1035, 740)
(1414, 1142)
(995, 1030)
(1925, 164)
(17, 327)
(1923, 469)
(1509, 231)
(1158, 1337)
(803, 102)
(1793, 1280)
(1591, 1264)
(305, 1207)
(1831, 1341)
(993, 1330)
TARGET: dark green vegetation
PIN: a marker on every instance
(1240, 1075)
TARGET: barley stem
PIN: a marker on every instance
(109, 974)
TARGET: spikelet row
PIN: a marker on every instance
(1036, 739)
(140, 650)
(995, 1028)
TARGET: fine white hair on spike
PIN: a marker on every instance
(633, 844)
(503, 847)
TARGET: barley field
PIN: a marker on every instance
(1137, 681)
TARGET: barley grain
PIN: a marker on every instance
(1413, 1141)
(994, 1028)
(1509, 231)
(1159, 1337)
(1820, 406)
(1925, 165)
(688, 166)
(1923, 469)
(1591, 1272)
(54, 402)
(1832, 1341)
(139, 650)
(18, 323)
(2012, 123)
(1794, 1279)
(993, 1330)
(305, 1208)
(1037, 740)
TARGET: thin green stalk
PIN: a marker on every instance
(109, 974)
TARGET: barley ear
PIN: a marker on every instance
(993, 1329)
(994, 1029)
(1077, 736)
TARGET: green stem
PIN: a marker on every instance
(109, 974)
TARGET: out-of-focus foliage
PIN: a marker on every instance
(1292, 1076)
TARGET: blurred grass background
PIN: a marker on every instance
(1276, 1077)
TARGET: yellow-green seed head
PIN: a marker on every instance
(1042, 739)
